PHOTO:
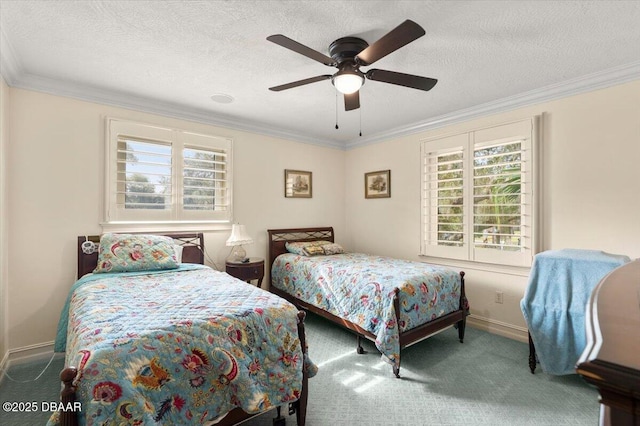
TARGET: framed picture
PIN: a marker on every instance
(377, 184)
(297, 184)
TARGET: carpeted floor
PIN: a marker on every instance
(484, 381)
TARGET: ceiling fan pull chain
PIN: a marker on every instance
(360, 110)
(337, 110)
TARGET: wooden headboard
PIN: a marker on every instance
(279, 237)
(192, 252)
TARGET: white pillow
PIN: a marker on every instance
(178, 250)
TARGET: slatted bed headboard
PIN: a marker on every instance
(192, 252)
(279, 237)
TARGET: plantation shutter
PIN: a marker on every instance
(443, 190)
(140, 173)
(497, 199)
(144, 174)
(205, 177)
(478, 195)
(503, 194)
(158, 175)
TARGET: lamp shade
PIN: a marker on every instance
(238, 236)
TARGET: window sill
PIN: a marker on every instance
(465, 265)
(165, 226)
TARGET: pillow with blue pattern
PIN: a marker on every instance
(135, 252)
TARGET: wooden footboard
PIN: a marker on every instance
(236, 416)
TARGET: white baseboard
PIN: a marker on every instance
(4, 364)
(498, 327)
(31, 353)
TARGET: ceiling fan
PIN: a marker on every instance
(348, 54)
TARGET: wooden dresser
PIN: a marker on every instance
(611, 359)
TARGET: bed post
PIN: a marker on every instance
(464, 308)
(396, 307)
(68, 397)
(301, 404)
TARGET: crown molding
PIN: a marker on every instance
(599, 80)
(167, 109)
(14, 75)
(10, 66)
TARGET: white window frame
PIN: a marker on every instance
(117, 218)
(528, 132)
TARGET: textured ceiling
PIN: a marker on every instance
(172, 56)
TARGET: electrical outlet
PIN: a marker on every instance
(499, 298)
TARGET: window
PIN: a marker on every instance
(165, 175)
(478, 195)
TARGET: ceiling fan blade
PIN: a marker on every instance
(407, 80)
(300, 83)
(284, 41)
(401, 35)
(352, 101)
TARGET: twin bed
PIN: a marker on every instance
(392, 302)
(186, 344)
(181, 345)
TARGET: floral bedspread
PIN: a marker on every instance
(360, 288)
(179, 347)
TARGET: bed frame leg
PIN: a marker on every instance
(396, 371)
(300, 406)
(464, 306)
(68, 397)
(396, 307)
(359, 349)
(532, 355)
(461, 326)
(279, 420)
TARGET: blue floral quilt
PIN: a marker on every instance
(178, 347)
(360, 288)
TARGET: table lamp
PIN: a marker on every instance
(238, 237)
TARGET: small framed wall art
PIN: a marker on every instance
(297, 184)
(377, 184)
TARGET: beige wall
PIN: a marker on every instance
(4, 135)
(56, 156)
(54, 168)
(590, 200)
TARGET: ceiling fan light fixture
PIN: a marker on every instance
(348, 54)
(347, 82)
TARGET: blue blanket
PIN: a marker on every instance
(360, 288)
(61, 334)
(554, 304)
(184, 346)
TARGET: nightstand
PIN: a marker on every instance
(251, 270)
